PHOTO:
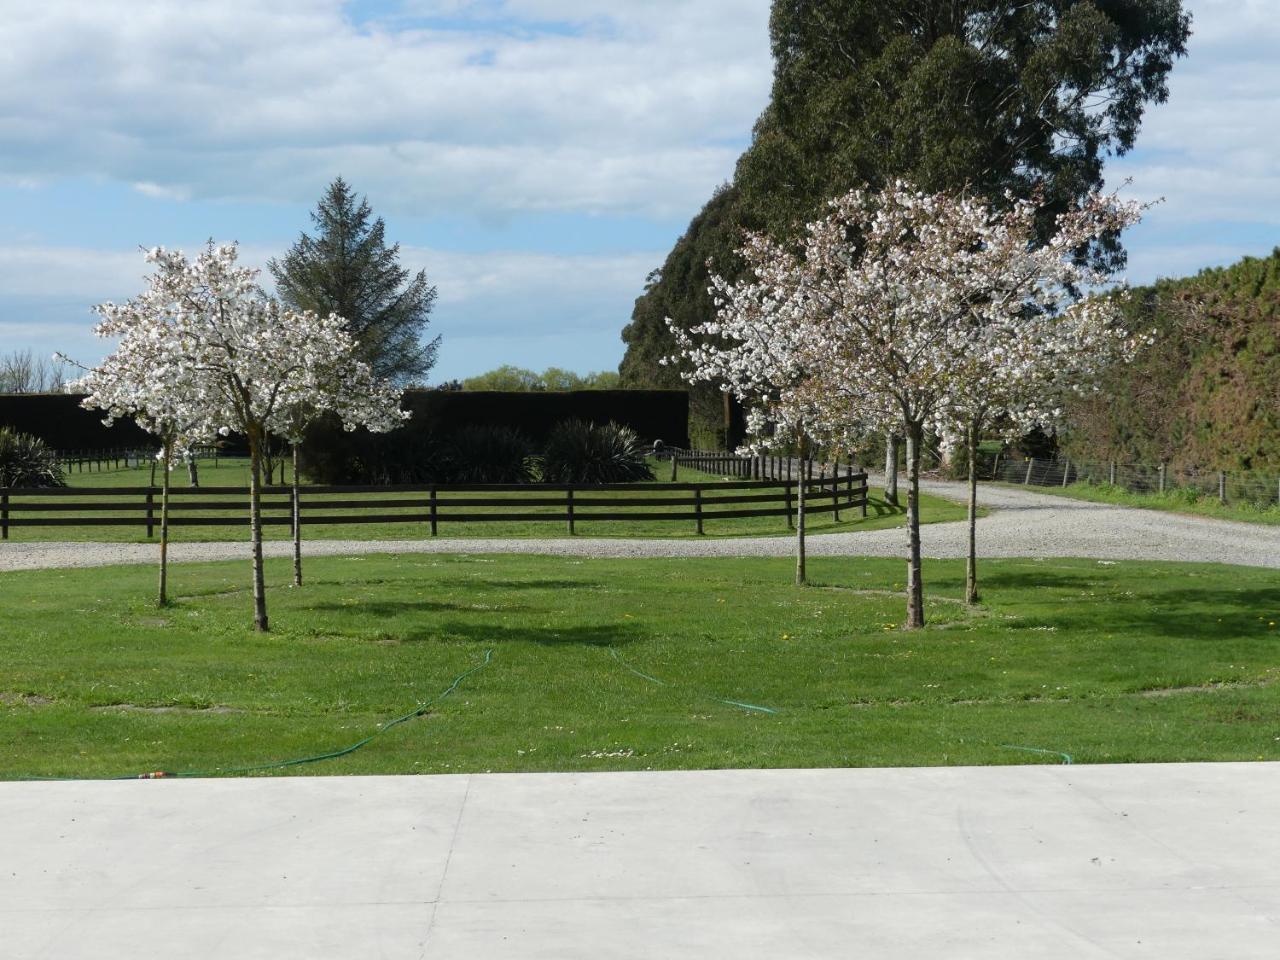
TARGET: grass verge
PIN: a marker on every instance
(1173, 501)
(1105, 662)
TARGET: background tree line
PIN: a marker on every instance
(1206, 392)
(509, 377)
(22, 371)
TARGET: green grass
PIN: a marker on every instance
(1106, 662)
(1173, 501)
(881, 514)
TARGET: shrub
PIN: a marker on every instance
(27, 462)
(490, 455)
(332, 456)
(580, 452)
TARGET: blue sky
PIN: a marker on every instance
(536, 157)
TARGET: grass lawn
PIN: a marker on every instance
(880, 514)
(1105, 662)
(1174, 501)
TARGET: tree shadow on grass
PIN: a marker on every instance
(554, 635)
(483, 584)
(1000, 579)
(1208, 614)
(882, 508)
(398, 608)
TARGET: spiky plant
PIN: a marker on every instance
(25, 461)
(581, 452)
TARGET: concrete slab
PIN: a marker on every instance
(1165, 861)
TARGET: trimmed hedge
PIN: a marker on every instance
(652, 414)
(60, 421)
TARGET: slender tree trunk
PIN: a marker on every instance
(971, 567)
(255, 532)
(164, 527)
(297, 523)
(193, 470)
(915, 586)
(891, 468)
(801, 573)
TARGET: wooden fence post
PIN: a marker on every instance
(1066, 472)
(1222, 486)
(570, 505)
(4, 516)
(151, 526)
(1112, 480)
(787, 488)
(835, 489)
(697, 506)
(435, 512)
(1030, 464)
(1162, 478)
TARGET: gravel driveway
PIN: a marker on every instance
(1021, 524)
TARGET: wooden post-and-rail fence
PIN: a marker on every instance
(570, 504)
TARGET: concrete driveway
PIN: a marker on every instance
(1155, 861)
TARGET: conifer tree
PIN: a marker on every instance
(348, 269)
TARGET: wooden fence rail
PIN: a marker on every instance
(570, 504)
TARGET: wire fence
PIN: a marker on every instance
(1227, 486)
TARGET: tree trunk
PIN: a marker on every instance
(971, 566)
(164, 528)
(891, 469)
(800, 499)
(255, 532)
(297, 523)
(915, 586)
(193, 470)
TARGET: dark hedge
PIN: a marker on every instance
(425, 449)
(60, 421)
(652, 414)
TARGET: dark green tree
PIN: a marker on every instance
(985, 96)
(347, 268)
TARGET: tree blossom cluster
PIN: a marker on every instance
(204, 352)
(905, 307)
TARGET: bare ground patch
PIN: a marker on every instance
(10, 699)
(164, 708)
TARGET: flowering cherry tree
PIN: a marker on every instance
(1033, 338)
(755, 350)
(134, 382)
(933, 313)
(334, 383)
(204, 342)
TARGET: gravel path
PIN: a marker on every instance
(1021, 524)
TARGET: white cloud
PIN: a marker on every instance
(269, 101)
(493, 308)
(1211, 151)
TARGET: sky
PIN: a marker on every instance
(538, 158)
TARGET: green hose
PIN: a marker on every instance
(280, 764)
(662, 683)
(1066, 757)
